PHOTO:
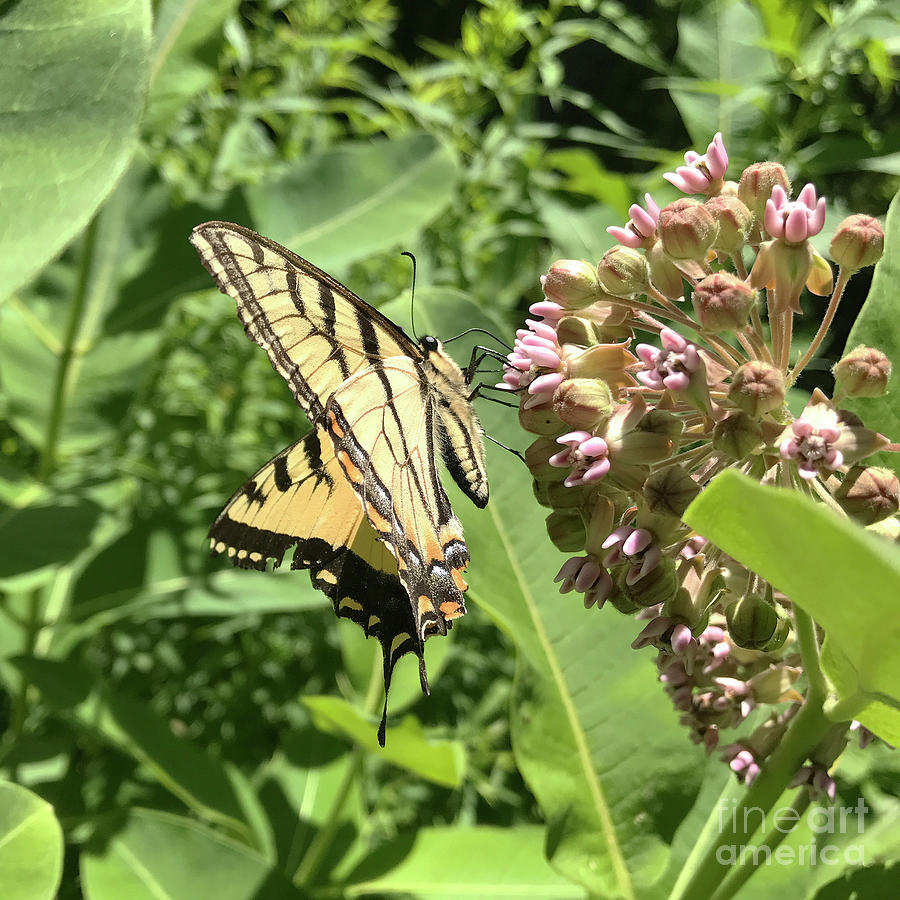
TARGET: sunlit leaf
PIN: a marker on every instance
(31, 845)
(71, 92)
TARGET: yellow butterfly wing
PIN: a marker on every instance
(387, 451)
(316, 332)
(301, 501)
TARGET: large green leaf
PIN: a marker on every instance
(345, 204)
(31, 846)
(722, 45)
(458, 863)
(45, 535)
(157, 856)
(878, 325)
(71, 93)
(407, 746)
(846, 579)
(212, 788)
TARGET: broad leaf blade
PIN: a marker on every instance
(846, 579)
(71, 93)
(358, 199)
(31, 845)
(157, 855)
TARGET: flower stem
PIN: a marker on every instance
(67, 354)
(843, 278)
(736, 879)
(807, 728)
(805, 629)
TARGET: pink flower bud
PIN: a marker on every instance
(864, 372)
(723, 302)
(687, 229)
(858, 242)
(756, 185)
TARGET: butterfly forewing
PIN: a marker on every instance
(316, 332)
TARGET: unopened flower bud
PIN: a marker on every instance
(572, 283)
(561, 497)
(734, 222)
(869, 494)
(737, 435)
(576, 330)
(756, 184)
(858, 242)
(753, 622)
(723, 302)
(566, 530)
(624, 272)
(583, 403)
(657, 586)
(537, 458)
(863, 372)
(687, 229)
(757, 388)
(775, 685)
(669, 491)
(667, 278)
(541, 419)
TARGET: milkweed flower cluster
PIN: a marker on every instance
(629, 432)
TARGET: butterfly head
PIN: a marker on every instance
(429, 344)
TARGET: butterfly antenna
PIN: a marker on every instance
(412, 295)
(480, 331)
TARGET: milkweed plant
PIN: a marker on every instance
(628, 434)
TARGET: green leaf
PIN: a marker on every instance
(31, 846)
(198, 779)
(345, 204)
(577, 233)
(158, 856)
(846, 579)
(39, 536)
(441, 762)
(71, 94)
(483, 862)
(878, 326)
(187, 37)
(721, 45)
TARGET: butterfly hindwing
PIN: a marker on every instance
(388, 454)
(301, 501)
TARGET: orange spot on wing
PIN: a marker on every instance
(458, 580)
(378, 520)
(333, 426)
(425, 606)
(349, 467)
(451, 609)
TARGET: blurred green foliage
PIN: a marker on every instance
(488, 137)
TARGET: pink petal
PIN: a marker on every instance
(647, 353)
(696, 178)
(677, 381)
(560, 460)
(548, 309)
(652, 207)
(796, 226)
(717, 157)
(541, 356)
(779, 197)
(626, 237)
(691, 157)
(808, 196)
(545, 384)
(587, 576)
(537, 400)
(594, 446)
(817, 219)
(802, 428)
(672, 340)
(596, 471)
(541, 329)
(574, 438)
(638, 540)
(650, 379)
(679, 182)
(617, 536)
(681, 638)
(773, 220)
(534, 340)
(644, 223)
